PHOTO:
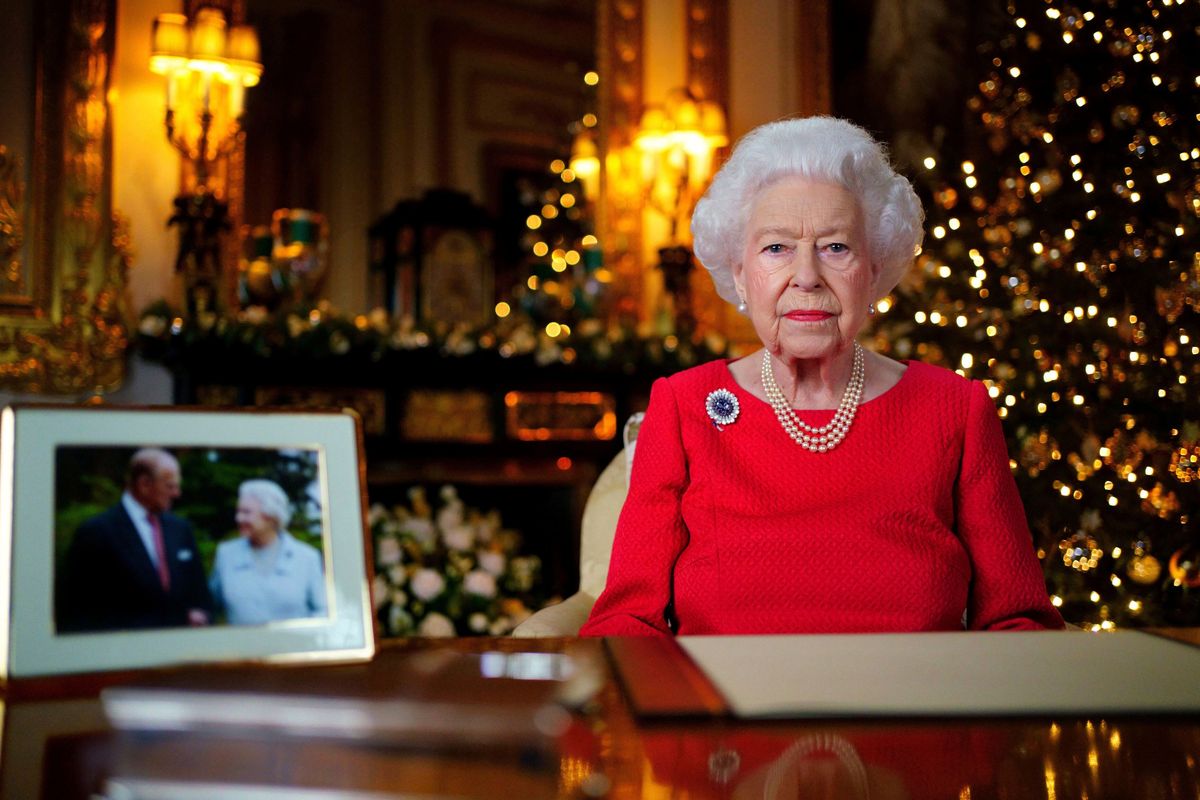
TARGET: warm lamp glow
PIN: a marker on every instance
(208, 41)
(242, 52)
(585, 161)
(677, 141)
(169, 49)
(207, 69)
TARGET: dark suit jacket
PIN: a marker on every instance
(108, 582)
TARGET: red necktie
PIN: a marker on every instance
(164, 574)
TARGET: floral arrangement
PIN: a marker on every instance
(322, 331)
(450, 573)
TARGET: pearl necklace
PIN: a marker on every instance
(826, 437)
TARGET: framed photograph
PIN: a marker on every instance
(136, 538)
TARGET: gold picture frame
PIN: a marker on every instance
(80, 587)
(63, 258)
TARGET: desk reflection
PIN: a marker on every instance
(65, 749)
(1118, 759)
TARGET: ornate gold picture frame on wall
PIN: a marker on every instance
(63, 259)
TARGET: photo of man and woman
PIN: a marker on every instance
(163, 537)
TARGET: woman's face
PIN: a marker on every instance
(252, 522)
(806, 271)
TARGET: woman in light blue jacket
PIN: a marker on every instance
(266, 574)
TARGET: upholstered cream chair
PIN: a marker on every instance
(595, 544)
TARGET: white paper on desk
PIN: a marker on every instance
(950, 674)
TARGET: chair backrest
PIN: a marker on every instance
(601, 511)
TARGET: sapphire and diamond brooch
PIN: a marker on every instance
(722, 407)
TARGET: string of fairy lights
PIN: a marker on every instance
(1063, 269)
(566, 273)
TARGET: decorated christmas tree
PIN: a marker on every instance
(1062, 268)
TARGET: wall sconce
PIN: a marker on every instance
(585, 162)
(677, 141)
(207, 70)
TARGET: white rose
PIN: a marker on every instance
(435, 624)
(388, 553)
(398, 574)
(459, 537)
(500, 626)
(379, 591)
(376, 513)
(480, 583)
(450, 516)
(492, 562)
(478, 622)
(420, 529)
(427, 584)
(399, 598)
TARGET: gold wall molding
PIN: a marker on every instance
(814, 61)
(706, 25)
(620, 61)
(12, 226)
(707, 35)
(64, 331)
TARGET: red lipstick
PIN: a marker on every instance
(808, 315)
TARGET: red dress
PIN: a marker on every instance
(913, 523)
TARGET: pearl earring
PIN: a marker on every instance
(871, 309)
(741, 306)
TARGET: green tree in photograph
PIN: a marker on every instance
(91, 479)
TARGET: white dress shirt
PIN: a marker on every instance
(141, 520)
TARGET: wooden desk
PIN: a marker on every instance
(62, 749)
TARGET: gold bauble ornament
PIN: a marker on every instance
(1144, 569)
(259, 283)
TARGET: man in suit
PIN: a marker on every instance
(135, 565)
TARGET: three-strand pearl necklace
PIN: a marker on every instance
(826, 437)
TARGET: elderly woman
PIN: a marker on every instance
(266, 574)
(813, 486)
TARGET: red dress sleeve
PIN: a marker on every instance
(1008, 591)
(650, 531)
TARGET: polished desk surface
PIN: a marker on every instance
(63, 748)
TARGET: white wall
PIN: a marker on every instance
(763, 51)
(145, 166)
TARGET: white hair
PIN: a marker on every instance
(817, 148)
(272, 500)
